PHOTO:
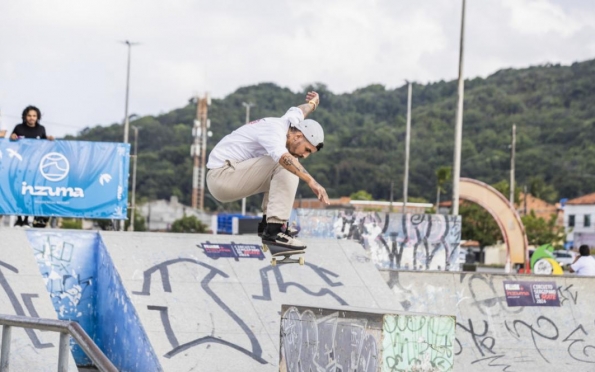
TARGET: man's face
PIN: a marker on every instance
(299, 146)
(31, 118)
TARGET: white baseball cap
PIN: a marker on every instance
(312, 132)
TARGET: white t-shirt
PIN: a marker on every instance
(261, 137)
(585, 265)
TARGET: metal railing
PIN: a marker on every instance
(65, 329)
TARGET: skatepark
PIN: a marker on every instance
(159, 302)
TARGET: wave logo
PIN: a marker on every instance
(54, 167)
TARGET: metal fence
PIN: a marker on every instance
(65, 329)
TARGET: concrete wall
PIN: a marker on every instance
(22, 292)
(84, 287)
(318, 339)
(490, 335)
(393, 240)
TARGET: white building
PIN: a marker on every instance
(161, 214)
(579, 216)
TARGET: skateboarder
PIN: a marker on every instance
(263, 157)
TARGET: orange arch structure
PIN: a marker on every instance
(503, 212)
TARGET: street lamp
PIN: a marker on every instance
(407, 141)
(126, 118)
(456, 174)
(247, 106)
(131, 227)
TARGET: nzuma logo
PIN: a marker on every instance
(53, 167)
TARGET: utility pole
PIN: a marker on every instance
(198, 151)
(131, 227)
(126, 119)
(407, 141)
(247, 106)
(512, 153)
(459, 124)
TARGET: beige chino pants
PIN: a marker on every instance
(237, 180)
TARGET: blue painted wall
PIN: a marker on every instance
(85, 287)
(67, 263)
(119, 331)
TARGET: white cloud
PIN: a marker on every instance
(66, 58)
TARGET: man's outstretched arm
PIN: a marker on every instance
(290, 163)
(313, 100)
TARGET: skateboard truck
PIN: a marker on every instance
(278, 251)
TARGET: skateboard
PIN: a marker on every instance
(277, 252)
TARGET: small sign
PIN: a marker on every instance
(217, 250)
(531, 293)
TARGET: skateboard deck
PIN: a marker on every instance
(278, 252)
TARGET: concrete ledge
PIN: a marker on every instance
(314, 339)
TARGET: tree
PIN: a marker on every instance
(139, 221)
(478, 225)
(443, 175)
(361, 195)
(540, 231)
(188, 224)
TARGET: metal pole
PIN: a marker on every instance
(126, 120)
(5, 351)
(407, 141)
(459, 124)
(131, 227)
(512, 153)
(63, 351)
(247, 106)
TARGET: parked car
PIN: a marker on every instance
(564, 258)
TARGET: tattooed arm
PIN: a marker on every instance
(293, 165)
(313, 100)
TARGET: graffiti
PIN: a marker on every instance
(567, 294)
(18, 308)
(282, 285)
(329, 340)
(418, 343)
(394, 241)
(490, 335)
(162, 270)
(68, 275)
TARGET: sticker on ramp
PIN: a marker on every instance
(217, 250)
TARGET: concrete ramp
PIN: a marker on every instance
(23, 292)
(223, 314)
(491, 335)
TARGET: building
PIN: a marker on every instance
(578, 221)
(161, 214)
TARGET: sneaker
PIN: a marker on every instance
(274, 236)
(289, 230)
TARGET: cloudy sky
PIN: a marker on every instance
(65, 56)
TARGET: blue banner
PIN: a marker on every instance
(64, 178)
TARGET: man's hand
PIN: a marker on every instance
(319, 191)
(51, 138)
(14, 137)
(313, 98)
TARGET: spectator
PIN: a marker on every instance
(30, 128)
(583, 264)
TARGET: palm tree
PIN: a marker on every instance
(443, 175)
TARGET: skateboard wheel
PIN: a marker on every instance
(302, 261)
(265, 248)
(274, 262)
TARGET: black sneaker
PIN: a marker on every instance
(274, 236)
(289, 230)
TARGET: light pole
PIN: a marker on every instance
(407, 141)
(247, 106)
(456, 173)
(131, 227)
(126, 119)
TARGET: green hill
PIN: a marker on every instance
(551, 105)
